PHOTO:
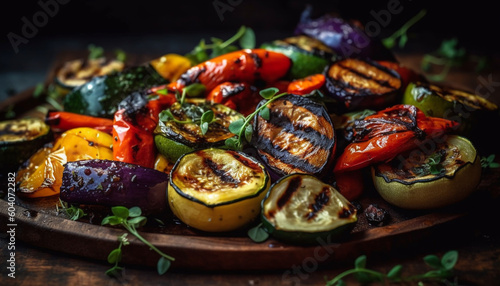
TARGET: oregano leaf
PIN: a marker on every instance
(395, 272)
(433, 261)
(258, 233)
(115, 255)
(449, 259)
(268, 92)
(134, 212)
(163, 265)
(265, 113)
(235, 126)
(247, 41)
(121, 212)
(360, 262)
(248, 133)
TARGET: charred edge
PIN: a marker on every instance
(192, 75)
(179, 137)
(384, 83)
(232, 90)
(217, 170)
(245, 161)
(257, 60)
(320, 201)
(293, 186)
(265, 145)
(347, 212)
(52, 121)
(312, 135)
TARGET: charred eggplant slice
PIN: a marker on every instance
(302, 209)
(113, 183)
(358, 84)
(217, 190)
(298, 136)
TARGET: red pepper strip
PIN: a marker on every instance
(248, 65)
(131, 143)
(62, 121)
(241, 96)
(133, 137)
(306, 85)
(384, 135)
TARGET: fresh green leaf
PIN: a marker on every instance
(247, 41)
(433, 261)
(114, 220)
(268, 93)
(401, 33)
(39, 90)
(163, 91)
(258, 233)
(232, 143)
(166, 115)
(121, 55)
(265, 113)
(360, 262)
(395, 272)
(204, 128)
(236, 126)
(137, 221)
(105, 220)
(449, 259)
(134, 212)
(207, 116)
(248, 133)
(115, 255)
(121, 212)
(163, 265)
(195, 89)
(95, 52)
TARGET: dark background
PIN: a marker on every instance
(159, 27)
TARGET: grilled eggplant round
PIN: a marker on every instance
(217, 190)
(302, 209)
(358, 84)
(298, 136)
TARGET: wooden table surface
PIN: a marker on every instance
(476, 237)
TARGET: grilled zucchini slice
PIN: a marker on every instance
(298, 137)
(181, 135)
(21, 138)
(302, 209)
(217, 190)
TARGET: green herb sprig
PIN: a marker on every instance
(115, 256)
(242, 127)
(198, 114)
(489, 162)
(442, 269)
(72, 212)
(401, 33)
(131, 219)
(245, 37)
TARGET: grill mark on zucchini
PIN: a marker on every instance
(320, 201)
(218, 171)
(292, 187)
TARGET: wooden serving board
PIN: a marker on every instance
(39, 224)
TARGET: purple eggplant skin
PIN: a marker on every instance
(347, 39)
(114, 183)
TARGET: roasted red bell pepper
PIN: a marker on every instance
(62, 121)
(248, 65)
(306, 85)
(240, 96)
(133, 140)
(382, 136)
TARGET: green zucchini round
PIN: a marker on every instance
(21, 138)
(301, 209)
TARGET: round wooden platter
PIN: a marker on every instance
(38, 223)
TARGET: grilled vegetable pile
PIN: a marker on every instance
(286, 135)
